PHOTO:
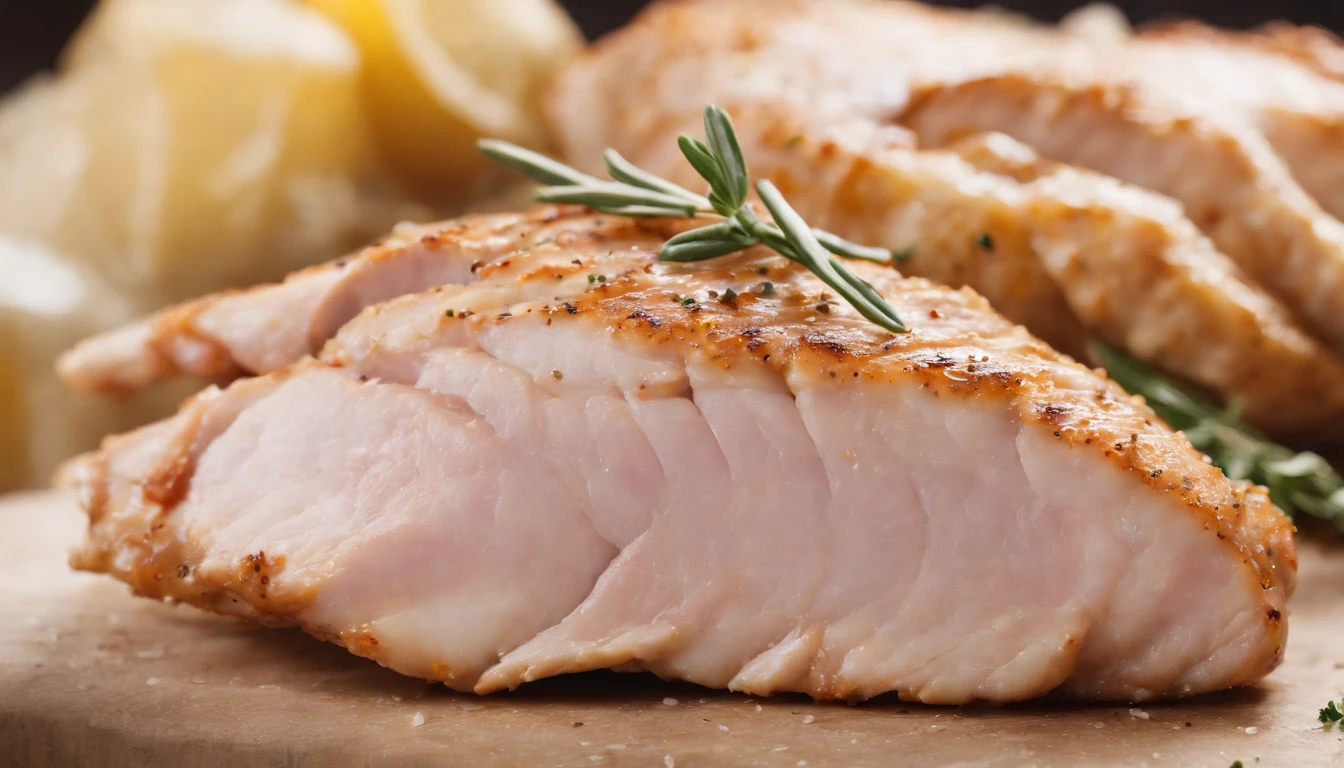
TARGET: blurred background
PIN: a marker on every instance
(155, 150)
(32, 33)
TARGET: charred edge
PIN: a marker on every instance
(826, 343)
(646, 316)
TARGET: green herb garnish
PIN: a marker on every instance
(719, 161)
(985, 241)
(1297, 482)
(1330, 714)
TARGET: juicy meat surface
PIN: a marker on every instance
(581, 458)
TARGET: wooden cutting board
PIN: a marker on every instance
(92, 676)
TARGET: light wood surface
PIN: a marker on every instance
(92, 676)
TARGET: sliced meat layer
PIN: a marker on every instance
(1298, 107)
(270, 326)
(1226, 176)
(541, 473)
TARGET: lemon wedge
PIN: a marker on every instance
(187, 145)
(438, 74)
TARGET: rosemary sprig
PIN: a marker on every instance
(1297, 482)
(634, 191)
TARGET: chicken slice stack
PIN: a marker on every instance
(1174, 193)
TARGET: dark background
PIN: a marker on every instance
(32, 31)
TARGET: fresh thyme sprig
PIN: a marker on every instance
(634, 191)
(1302, 482)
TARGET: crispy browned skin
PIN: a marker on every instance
(958, 349)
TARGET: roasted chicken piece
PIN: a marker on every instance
(573, 456)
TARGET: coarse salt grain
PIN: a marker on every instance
(669, 701)
(1139, 713)
(1098, 725)
(1252, 730)
(470, 706)
(153, 680)
(723, 728)
(668, 761)
(809, 719)
(418, 720)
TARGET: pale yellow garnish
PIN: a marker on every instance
(438, 74)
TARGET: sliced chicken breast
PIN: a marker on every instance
(589, 459)
(1299, 108)
(1226, 175)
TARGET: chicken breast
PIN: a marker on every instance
(583, 458)
(951, 74)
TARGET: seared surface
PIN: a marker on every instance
(586, 459)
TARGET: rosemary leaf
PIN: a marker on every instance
(842, 247)
(626, 171)
(605, 196)
(707, 243)
(700, 250)
(702, 160)
(533, 164)
(722, 140)
(724, 230)
(646, 212)
(866, 290)
(816, 258)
